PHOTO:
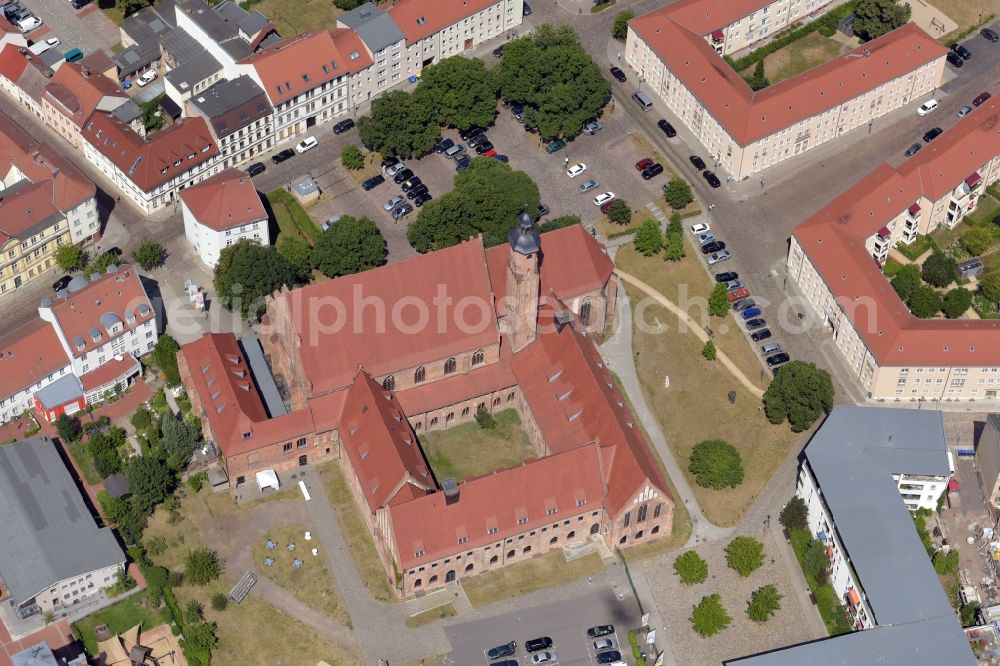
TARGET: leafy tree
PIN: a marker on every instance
(166, 351)
(200, 637)
(149, 254)
(620, 28)
(178, 442)
(691, 568)
(142, 418)
(678, 193)
(989, 286)
(129, 7)
(202, 566)
(112, 507)
(956, 302)
(709, 351)
(70, 257)
(558, 223)
(399, 124)
(906, 281)
(648, 239)
(484, 419)
(977, 240)
(68, 428)
(100, 264)
(716, 464)
(619, 212)
(967, 614)
(131, 522)
(946, 563)
(709, 617)
(795, 514)
(925, 302)
(800, 393)
(939, 270)
(460, 93)
(486, 199)
(150, 480)
(764, 602)
(156, 545)
(718, 300)
(194, 612)
(350, 246)
(874, 18)
(156, 576)
(247, 273)
(219, 601)
(758, 80)
(675, 239)
(298, 254)
(555, 79)
(815, 561)
(352, 158)
(104, 449)
(348, 5)
(745, 555)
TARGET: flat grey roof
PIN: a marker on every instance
(195, 69)
(233, 104)
(48, 532)
(60, 392)
(373, 25)
(36, 655)
(262, 376)
(180, 45)
(127, 112)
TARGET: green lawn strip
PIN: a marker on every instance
(292, 218)
(830, 608)
(467, 450)
(431, 615)
(119, 618)
(522, 578)
(83, 460)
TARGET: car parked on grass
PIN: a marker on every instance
(761, 334)
(555, 146)
(145, 79)
(285, 154)
(592, 127)
(652, 171)
(373, 182)
(932, 134)
(754, 324)
(402, 176)
(601, 630)
(393, 202)
(699, 228)
(778, 359)
(927, 107)
(964, 111)
(644, 164)
(912, 150)
(990, 35)
(728, 276)
(980, 98)
(305, 144)
(954, 59)
(961, 51)
(713, 246)
(536, 644)
(711, 178)
(401, 211)
(667, 128)
(619, 74)
(738, 294)
(589, 185)
(443, 145)
(751, 313)
(719, 257)
(343, 126)
(603, 198)
(697, 162)
(256, 169)
(505, 650)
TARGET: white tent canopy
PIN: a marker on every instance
(267, 478)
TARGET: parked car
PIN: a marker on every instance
(505, 650)
(490, 153)
(932, 134)
(422, 199)
(743, 304)
(600, 630)
(470, 132)
(592, 127)
(408, 185)
(544, 657)
(402, 176)
(927, 107)
(502, 158)
(990, 35)
(285, 154)
(145, 79)
(498, 51)
(712, 179)
(644, 163)
(536, 644)
(417, 191)
(606, 206)
(543, 209)
(732, 285)
(388, 162)
(605, 644)
(61, 283)
(393, 169)
(603, 198)
(443, 145)
(719, 257)
(609, 657)
(728, 276)
(770, 348)
(256, 169)
(393, 202)
(373, 182)
(343, 126)
(517, 110)
(667, 128)
(401, 211)
(484, 147)
(652, 171)
(778, 359)
(699, 228)
(954, 59)
(477, 139)
(980, 98)
(697, 162)
(961, 51)
(760, 334)
(751, 313)
(526, 10)
(706, 237)
(305, 144)
(589, 185)
(713, 246)
(738, 294)
(964, 111)
(619, 74)
(462, 163)
(555, 146)
(754, 324)
(912, 150)
(455, 152)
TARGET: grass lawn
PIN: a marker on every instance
(967, 12)
(610, 229)
(431, 615)
(830, 608)
(352, 525)
(119, 617)
(467, 450)
(525, 577)
(253, 633)
(696, 406)
(294, 16)
(311, 584)
(83, 460)
(291, 217)
(812, 50)
(987, 209)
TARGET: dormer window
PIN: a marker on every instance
(421, 20)
(177, 163)
(355, 55)
(419, 553)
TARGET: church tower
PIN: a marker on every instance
(522, 282)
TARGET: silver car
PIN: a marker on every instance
(589, 185)
(719, 257)
(592, 127)
(393, 202)
(706, 237)
(770, 348)
(394, 169)
(733, 285)
(964, 111)
(605, 644)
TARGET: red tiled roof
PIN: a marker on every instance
(12, 62)
(159, 157)
(76, 90)
(27, 355)
(382, 448)
(326, 410)
(306, 61)
(749, 116)
(422, 18)
(480, 381)
(705, 16)
(110, 371)
(27, 207)
(119, 294)
(226, 200)
(348, 322)
(497, 502)
(833, 239)
(7, 26)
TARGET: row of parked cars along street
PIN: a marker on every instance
(542, 649)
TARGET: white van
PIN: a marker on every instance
(643, 100)
(927, 107)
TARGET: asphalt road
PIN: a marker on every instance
(564, 622)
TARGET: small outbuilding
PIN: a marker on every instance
(970, 268)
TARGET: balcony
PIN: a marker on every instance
(718, 37)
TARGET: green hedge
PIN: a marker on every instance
(826, 24)
(298, 214)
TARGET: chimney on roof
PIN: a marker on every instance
(450, 489)
(563, 317)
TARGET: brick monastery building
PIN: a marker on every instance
(517, 333)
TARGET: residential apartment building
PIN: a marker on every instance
(671, 50)
(360, 393)
(24, 76)
(75, 93)
(83, 344)
(835, 259)
(240, 117)
(222, 210)
(879, 567)
(53, 556)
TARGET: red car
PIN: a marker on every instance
(643, 164)
(982, 97)
(737, 294)
(607, 205)
(490, 153)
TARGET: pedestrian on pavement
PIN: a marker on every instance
(565, 161)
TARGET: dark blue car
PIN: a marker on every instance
(750, 313)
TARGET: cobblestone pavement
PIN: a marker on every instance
(86, 29)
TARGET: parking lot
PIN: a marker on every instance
(87, 28)
(565, 622)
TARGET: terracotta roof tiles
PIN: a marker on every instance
(226, 200)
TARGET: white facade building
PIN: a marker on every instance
(221, 211)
